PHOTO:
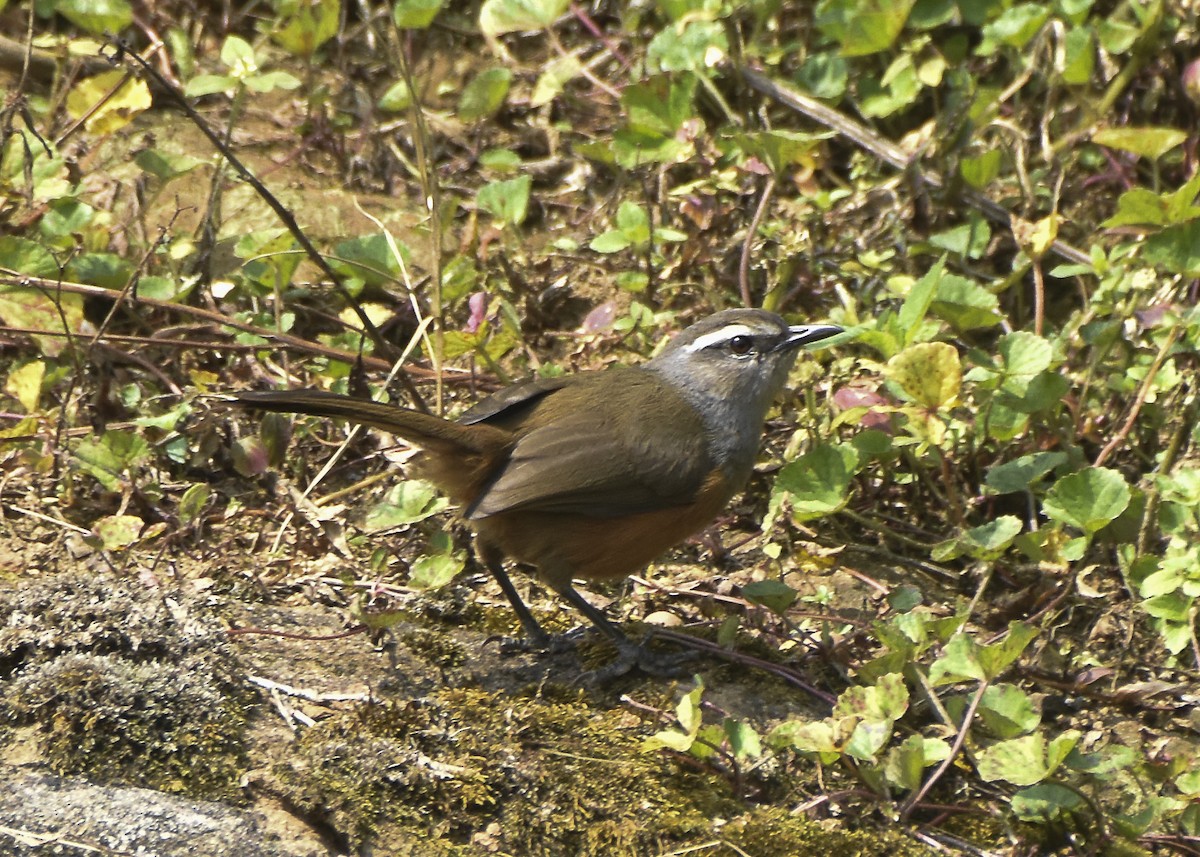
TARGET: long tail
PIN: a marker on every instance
(423, 430)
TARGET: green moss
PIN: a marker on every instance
(438, 648)
(772, 830)
(537, 775)
(123, 685)
(159, 725)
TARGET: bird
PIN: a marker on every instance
(595, 474)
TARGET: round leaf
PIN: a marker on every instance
(929, 373)
(1088, 499)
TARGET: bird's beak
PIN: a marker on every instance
(804, 334)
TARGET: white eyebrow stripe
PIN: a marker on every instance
(725, 334)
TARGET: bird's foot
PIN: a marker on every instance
(630, 655)
(539, 644)
(638, 656)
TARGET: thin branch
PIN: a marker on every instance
(959, 739)
(889, 152)
(751, 231)
(1143, 392)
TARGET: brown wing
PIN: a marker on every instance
(503, 402)
(580, 454)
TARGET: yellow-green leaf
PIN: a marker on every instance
(928, 373)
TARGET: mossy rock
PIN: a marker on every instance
(534, 774)
(121, 685)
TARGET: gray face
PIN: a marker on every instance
(740, 354)
(731, 366)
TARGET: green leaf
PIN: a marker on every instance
(868, 738)
(959, 662)
(554, 79)
(308, 26)
(1043, 392)
(743, 740)
(660, 106)
(100, 269)
(406, 503)
(64, 218)
(824, 737)
(928, 373)
(238, 56)
(117, 532)
(507, 201)
(1046, 802)
(498, 17)
(1088, 499)
(1146, 142)
(1015, 27)
(96, 16)
(503, 161)
(1006, 711)
(1143, 207)
(816, 484)
(166, 165)
(998, 657)
(1060, 748)
(824, 75)
(1139, 206)
(916, 304)
(669, 739)
(655, 112)
(1079, 56)
(484, 95)
(775, 595)
(1024, 355)
(696, 46)
(966, 305)
(634, 222)
(876, 708)
(1019, 474)
(688, 711)
(193, 501)
(371, 259)
(415, 14)
(111, 457)
(269, 81)
(993, 538)
(969, 240)
(1176, 248)
(24, 383)
(209, 84)
(434, 571)
(898, 88)
(981, 170)
(397, 98)
(886, 700)
(27, 257)
(779, 150)
(904, 764)
(1020, 761)
(862, 27)
(633, 281)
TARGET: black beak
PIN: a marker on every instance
(804, 334)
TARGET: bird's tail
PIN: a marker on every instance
(423, 430)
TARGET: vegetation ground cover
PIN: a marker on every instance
(956, 609)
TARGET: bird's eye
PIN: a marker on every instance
(741, 345)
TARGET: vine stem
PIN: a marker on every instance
(751, 231)
(1142, 394)
(918, 796)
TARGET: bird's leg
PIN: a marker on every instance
(594, 615)
(493, 561)
(630, 655)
